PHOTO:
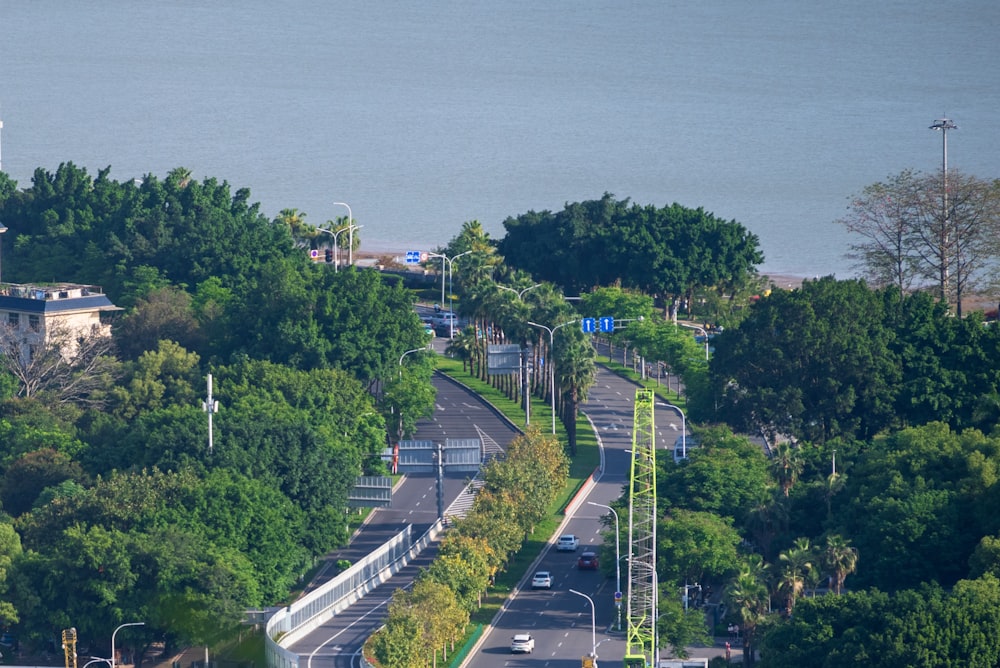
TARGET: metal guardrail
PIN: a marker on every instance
(291, 623)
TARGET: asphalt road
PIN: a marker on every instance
(560, 620)
(459, 413)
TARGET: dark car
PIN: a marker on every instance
(587, 562)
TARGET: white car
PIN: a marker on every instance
(567, 543)
(444, 319)
(542, 580)
(522, 643)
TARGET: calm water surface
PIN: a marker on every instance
(422, 116)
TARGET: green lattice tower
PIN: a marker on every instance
(641, 598)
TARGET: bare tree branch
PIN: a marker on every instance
(67, 366)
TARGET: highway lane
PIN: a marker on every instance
(559, 619)
(459, 413)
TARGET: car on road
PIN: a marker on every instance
(522, 643)
(567, 543)
(542, 580)
(587, 562)
(445, 319)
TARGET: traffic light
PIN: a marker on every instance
(586, 662)
(329, 255)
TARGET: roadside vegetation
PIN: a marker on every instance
(865, 527)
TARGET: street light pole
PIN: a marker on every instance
(95, 660)
(519, 293)
(449, 260)
(116, 633)
(618, 563)
(684, 451)
(552, 366)
(350, 226)
(702, 330)
(415, 350)
(945, 124)
(3, 228)
(593, 625)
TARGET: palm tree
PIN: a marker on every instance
(797, 563)
(748, 596)
(787, 465)
(766, 520)
(464, 347)
(840, 560)
(577, 375)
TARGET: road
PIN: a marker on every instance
(559, 620)
(459, 413)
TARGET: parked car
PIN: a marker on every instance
(587, 562)
(567, 543)
(522, 643)
(542, 580)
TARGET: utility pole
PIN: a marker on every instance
(210, 406)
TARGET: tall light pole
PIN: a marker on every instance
(552, 366)
(684, 450)
(943, 125)
(593, 625)
(618, 563)
(336, 246)
(116, 633)
(3, 228)
(350, 226)
(449, 260)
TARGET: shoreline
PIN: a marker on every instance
(784, 280)
(779, 280)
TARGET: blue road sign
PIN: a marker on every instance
(588, 325)
(607, 323)
(412, 257)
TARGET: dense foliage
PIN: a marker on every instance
(116, 507)
(669, 252)
(836, 359)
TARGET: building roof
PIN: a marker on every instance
(54, 298)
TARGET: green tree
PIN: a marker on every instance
(747, 597)
(727, 475)
(670, 251)
(25, 478)
(797, 365)
(693, 546)
(839, 559)
(164, 314)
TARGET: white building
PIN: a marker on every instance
(32, 315)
